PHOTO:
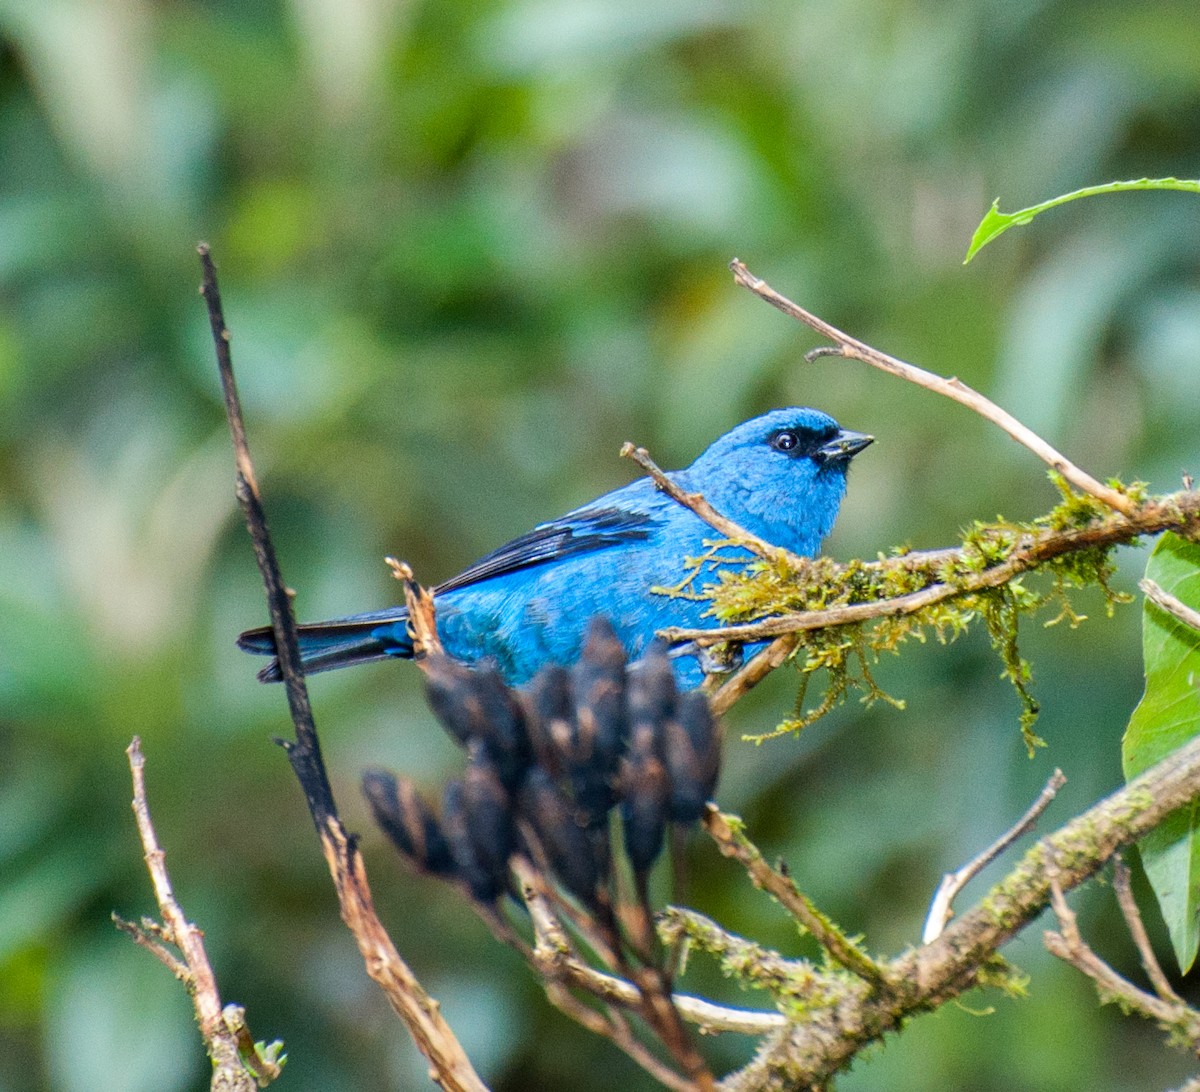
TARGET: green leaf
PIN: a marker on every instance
(1167, 717)
(996, 222)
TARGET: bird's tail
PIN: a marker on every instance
(325, 646)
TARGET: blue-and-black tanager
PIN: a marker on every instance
(781, 476)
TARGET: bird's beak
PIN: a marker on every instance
(843, 447)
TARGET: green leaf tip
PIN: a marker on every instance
(995, 222)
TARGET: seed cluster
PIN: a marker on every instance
(548, 765)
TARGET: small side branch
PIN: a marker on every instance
(941, 909)
(422, 623)
(751, 673)
(237, 1067)
(1137, 930)
(554, 958)
(1170, 604)
(726, 832)
(1068, 944)
(850, 348)
(697, 504)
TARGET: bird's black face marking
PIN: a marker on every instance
(800, 442)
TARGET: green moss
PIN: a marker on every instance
(837, 660)
(998, 973)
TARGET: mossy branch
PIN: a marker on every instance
(847, 1011)
(840, 616)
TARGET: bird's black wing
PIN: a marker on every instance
(578, 533)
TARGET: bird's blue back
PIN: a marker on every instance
(528, 603)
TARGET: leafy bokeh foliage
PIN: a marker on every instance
(467, 249)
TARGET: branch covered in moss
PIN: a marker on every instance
(850, 1012)
(839, 616)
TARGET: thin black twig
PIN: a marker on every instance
(450, 1066)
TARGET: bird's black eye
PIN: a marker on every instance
(785, 440)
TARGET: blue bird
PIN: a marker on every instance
(781, 476)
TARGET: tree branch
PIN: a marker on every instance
(1170, 604)
(1137, 930)
(1068, 945)
(810, 1052)
(954, 388)
(1175, 512)
(726, 832)
(701, 507)
(234, 1068)
(941, 909)
(450, 1066)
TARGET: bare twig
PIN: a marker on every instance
(230, 1072)
(701, 507)
(422, 615)
(450, 1066)
(728, 689)
(555, 961)
(613, 1026)
(941, 909)
(1137, 929)
(954, 388)
(726, 832)
(146, 935)
(1069, 945)
(1170, 604)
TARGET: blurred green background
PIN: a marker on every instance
(467, 249)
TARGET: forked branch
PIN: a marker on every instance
(238, 1065)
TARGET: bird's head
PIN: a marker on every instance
(781, 475)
